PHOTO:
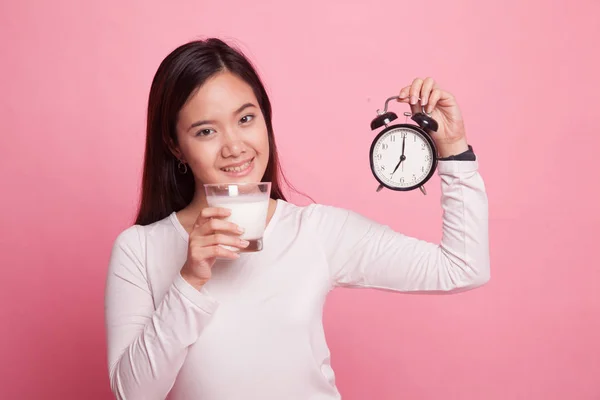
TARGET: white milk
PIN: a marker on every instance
(247, 211)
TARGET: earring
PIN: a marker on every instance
(182, 168)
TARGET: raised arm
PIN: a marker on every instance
(147, 346)
(363, 253)
(367, 254)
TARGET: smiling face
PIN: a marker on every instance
(222, 134)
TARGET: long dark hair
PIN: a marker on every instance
(185, 69)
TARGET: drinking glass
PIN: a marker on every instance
(249, 205)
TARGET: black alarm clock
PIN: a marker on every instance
(403, 157)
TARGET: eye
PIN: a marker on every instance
(205, 132)
(246, 118)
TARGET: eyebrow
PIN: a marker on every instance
(206, 122)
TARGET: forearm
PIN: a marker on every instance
(464, 246)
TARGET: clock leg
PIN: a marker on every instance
(379, 188)
(423, 190)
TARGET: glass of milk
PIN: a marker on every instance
(249, 205)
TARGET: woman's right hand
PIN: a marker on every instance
(210, 231)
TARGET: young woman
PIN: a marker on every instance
(189, 319)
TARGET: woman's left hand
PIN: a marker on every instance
(450, 137)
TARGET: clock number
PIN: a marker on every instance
(384, 146)
(383, 167)
(414, 178)
(402, 180)
(379, 156)
(422, 146)
(392, 138)
(423, 169)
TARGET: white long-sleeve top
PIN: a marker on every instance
(254, 331)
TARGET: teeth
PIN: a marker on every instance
(238, 169)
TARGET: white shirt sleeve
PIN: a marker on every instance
(147, 346)
(363, 253)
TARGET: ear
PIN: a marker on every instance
(174, 148)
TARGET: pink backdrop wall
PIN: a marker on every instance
(74, 80)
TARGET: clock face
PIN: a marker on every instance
(395, 171)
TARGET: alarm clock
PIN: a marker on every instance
(403, 157)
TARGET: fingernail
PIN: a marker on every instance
(244, 242)
(240, 229)
(413, 100)
(423, 101)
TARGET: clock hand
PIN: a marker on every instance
(402, 157)
(403, 145)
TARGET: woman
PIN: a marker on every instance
(184, 323)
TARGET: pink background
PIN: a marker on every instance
(74, 84)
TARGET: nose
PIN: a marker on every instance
(233, 146)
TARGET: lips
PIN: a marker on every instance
(239, 167)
